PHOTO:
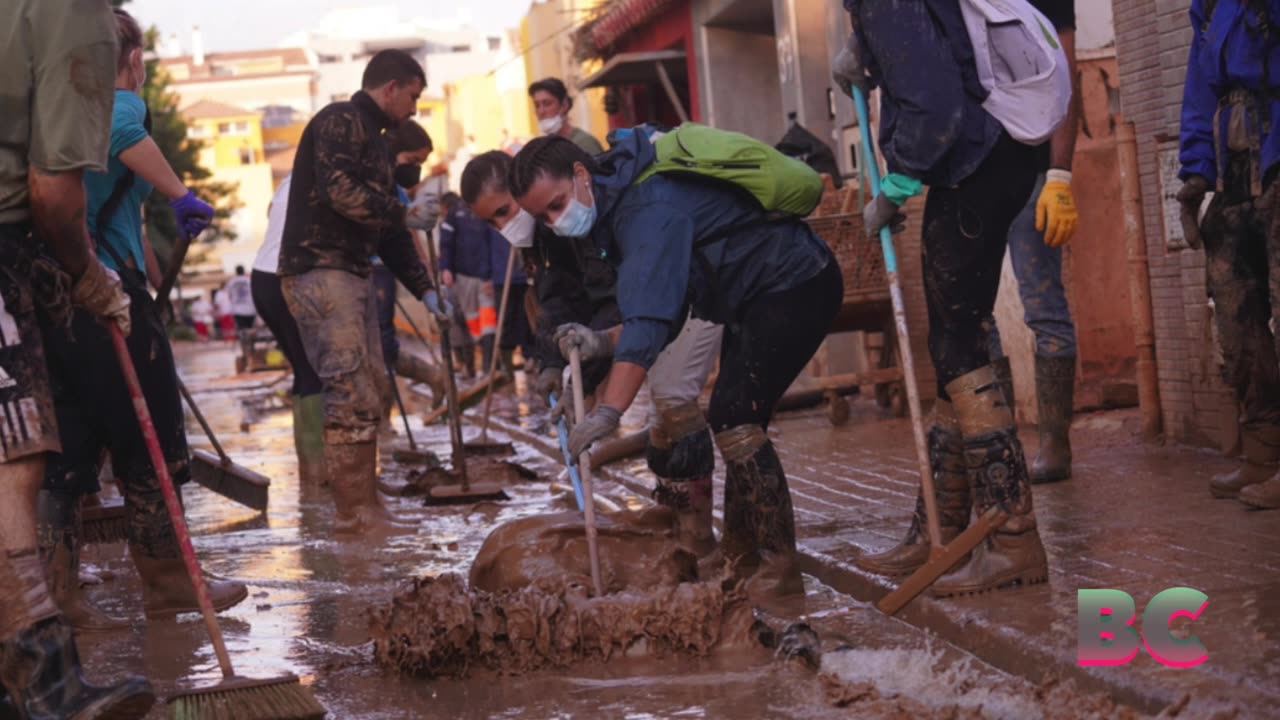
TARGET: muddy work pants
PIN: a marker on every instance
(1242, 262)
(337, 317)
(680, 446)
(966, 229)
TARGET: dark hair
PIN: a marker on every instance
(408, 137)
(547, 155)
(129, 37)
(391, 66)
(554, 86)
(239, 269)
(487, 172)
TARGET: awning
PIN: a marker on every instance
(640, 68)
(622, 17)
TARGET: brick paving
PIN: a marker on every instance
(1136, 518)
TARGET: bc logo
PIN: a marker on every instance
(1107, 635)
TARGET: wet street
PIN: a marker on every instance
(310, 597)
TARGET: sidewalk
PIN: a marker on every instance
(1135, 518)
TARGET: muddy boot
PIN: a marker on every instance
(60, 531)
(690, 500)
(416, 369)
(508, 365)
(1263, 495)
(951, 483)
(39, 665)
(486, 353)
(353, 477)
(167, 590)
(1261, 456)
(308, 438)
(1055, 392)
(1004, 375)
(998, 473)
(759, 541)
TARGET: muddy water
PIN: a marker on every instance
(309, 598)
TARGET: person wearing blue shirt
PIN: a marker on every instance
(95, 410)
(696, 247)
(1230, 144)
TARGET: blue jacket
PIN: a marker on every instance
(499, 250)
(648, 232)
(932, 125)
(1227, 52)
(466, 244)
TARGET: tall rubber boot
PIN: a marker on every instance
(681, 454)
(416, 369)
(39, 665)
(352, 469)
(308, 438)
(691, 502)
(1013, 553)
(951, 484)
(1055, 392)
(759, 540)
(60, 521)
(507, 360)
(1261, 457)
(486, 353)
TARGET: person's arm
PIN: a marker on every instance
(1063, 143)
(916, 67)
(58, 212)
(622, 384)
(145, 159)
(338, 140)
(656, 245)
(399, 253)
(1199, 105)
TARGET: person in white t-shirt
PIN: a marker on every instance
(240, 298)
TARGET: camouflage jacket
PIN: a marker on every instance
(343, 207)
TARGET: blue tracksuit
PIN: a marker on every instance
(1228, 52)
(649, 230)
(465, 244)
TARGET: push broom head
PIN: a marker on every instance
(282, 698)
(104, 524)
(231, 481)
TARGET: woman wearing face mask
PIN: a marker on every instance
(773, 285)
(551, 103)
(94, 409)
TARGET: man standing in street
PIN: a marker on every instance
(343, 210)
(240, 294)
(60, 61)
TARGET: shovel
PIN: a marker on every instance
(584, 464)
(482, 444)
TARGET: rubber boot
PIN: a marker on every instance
(353, 476)
(167, 590)
(1264, 495)
(759, 540)
(508, 365)
(1013, 553)
(308, 439)
(690, 500)
(486, 353)
(39, 665)
(59, 515)
(1055, 392)
(416, 369)
(951, 484)
(1261, 457)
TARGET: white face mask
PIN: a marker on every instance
(576, 220)
(519, 230)
(551, 125)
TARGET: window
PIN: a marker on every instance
(460, 49)
(224, 128)
(495, 43)
(241, 128)
(197, 132)
(339, 97)
(246, 156)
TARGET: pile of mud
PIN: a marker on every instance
(528, 606)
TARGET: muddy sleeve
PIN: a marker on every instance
(1199, 105)
(338, 146)
(398, 253)
(916, 68)
(653, 279)
(73, 76)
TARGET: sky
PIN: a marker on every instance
(249, 24)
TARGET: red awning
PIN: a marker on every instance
(622, 17)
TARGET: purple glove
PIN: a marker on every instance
(192, 213)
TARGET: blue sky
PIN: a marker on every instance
(248, 24)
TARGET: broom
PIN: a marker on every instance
(483, 445)
(281, 698)
(218, 473)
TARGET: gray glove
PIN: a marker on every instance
(99, 291)
(1190, 197)
(881, 212)
(847, 70)
(592, 344)
(424, 212)
(598, 423)
(548, 381)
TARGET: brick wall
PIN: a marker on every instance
(1152, 40)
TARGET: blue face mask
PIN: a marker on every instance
(576, 220)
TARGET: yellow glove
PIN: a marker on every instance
(1056, 214)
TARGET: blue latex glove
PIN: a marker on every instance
(438, 306)
(192, 213)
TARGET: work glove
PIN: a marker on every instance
(1056, 214)
(438, 307)
(592, 344)
(192, 213)
(548, 380)
(847, 70)
(424, 212)
(882, 212)
(99, 291)
(599, 423)
(1190, 198)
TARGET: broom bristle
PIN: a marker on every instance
(105, 524)
(281, 699)
(233, 482)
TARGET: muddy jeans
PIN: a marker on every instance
(966, 229)
(1242, 263)
(337, 316)
(1038, 269)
